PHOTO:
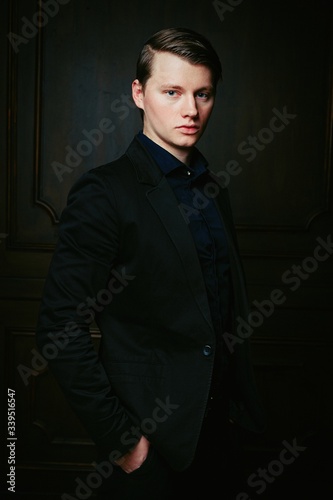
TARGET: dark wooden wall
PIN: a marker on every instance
(269, 137)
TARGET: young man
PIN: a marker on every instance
(147, 249)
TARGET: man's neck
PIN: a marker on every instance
(184, 155)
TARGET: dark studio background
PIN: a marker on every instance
(70, 77)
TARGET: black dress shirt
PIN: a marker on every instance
(204, 221)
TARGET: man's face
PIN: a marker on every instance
(177, 101)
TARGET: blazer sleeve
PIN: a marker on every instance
(86, 250)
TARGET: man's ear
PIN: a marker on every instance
(137, 93)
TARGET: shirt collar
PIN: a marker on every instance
(168, 163)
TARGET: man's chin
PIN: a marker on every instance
(188, 141)
(189, 144)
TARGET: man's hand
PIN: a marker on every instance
(134, 458)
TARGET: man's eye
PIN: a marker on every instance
(171, 92)
(203, 95)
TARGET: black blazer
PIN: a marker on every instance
(126, 259)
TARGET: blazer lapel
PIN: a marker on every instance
(165, 205)
(239, 288)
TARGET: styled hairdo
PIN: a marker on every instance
(183, 42)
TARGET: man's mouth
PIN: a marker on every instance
(188, 129)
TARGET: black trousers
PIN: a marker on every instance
(217, 471)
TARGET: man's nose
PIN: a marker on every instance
(189, 107)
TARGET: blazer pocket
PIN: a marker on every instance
(138, 386)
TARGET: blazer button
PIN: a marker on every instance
(207, 350)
